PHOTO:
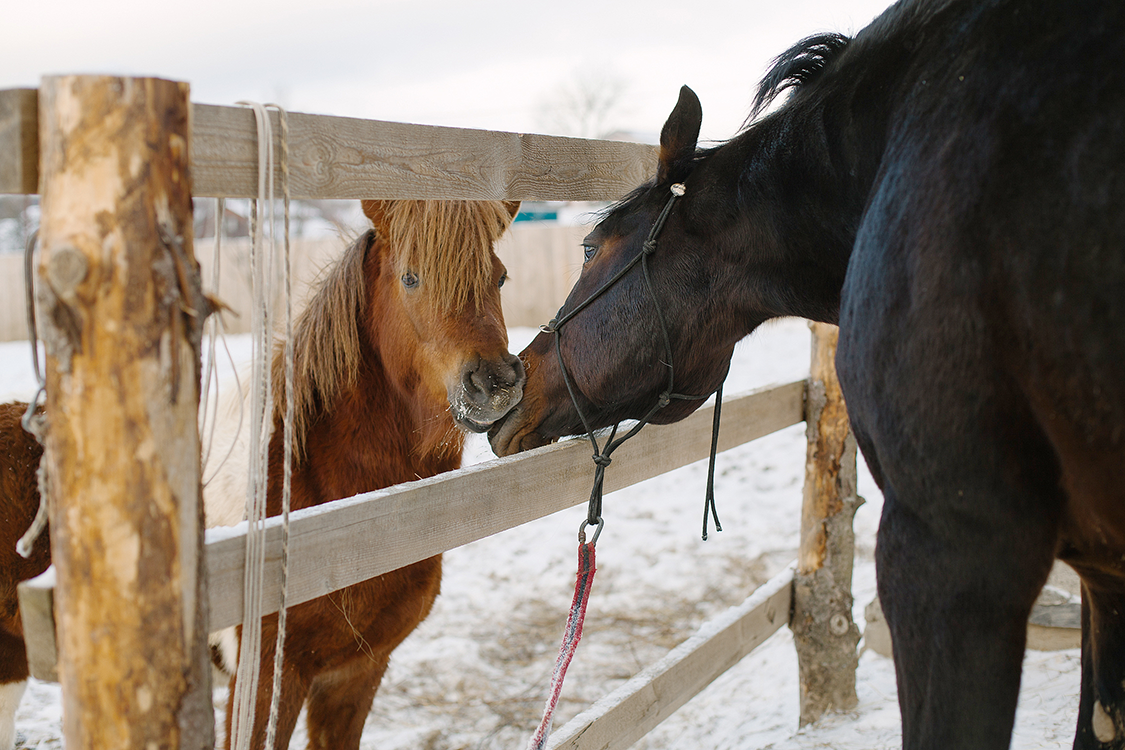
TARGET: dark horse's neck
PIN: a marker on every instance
(802, 177)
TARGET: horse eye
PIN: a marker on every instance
(589, 251)
(409, 280)
(503, 278)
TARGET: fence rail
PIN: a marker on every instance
(343, 157)
(417, 520)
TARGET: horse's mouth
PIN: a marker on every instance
(472, 425)
(480, 418)
(514, 434)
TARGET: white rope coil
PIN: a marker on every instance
(264, 266)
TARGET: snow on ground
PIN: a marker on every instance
(474, 675)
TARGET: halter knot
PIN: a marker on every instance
(602, 460)
(649, 247)
(664, 399)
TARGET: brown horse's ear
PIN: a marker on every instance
(376, 211)
(513, 208)
(679, 136)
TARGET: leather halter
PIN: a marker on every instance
(601, 455)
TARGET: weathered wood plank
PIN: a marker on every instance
(635, 708)
(347, 541)
(19, 141)
(348, 158)
(37, 613)
(342, 157)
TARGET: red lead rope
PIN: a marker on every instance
(585, 579)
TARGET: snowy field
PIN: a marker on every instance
(475, 674)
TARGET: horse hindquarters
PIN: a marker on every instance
(337, 649)
(971, 494)
(961, 558)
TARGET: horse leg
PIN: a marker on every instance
(13, 682)
(340, 700)
(294, 688)
(1101, 709)
(957, 600)
(371, 619)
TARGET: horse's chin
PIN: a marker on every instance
(471, 425)
(514, 434)
(478, 419)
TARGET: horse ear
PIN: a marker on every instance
(679, 135)
(376, 211)
(513, 208)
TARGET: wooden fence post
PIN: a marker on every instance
(822, 625)
(123, 310)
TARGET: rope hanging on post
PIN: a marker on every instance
(34, 421)
(263, 267)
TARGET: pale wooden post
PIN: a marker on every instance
(822, 623)
(122, 310)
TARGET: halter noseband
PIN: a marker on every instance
(601, 455)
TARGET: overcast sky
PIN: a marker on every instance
(465, 63)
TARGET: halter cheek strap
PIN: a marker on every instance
(602, 455)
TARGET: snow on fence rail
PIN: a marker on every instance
(336, 157)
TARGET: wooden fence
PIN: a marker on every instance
(344, 158)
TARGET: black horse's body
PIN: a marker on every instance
(949, 187)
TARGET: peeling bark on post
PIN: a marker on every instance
(822, 625)
(123, 310)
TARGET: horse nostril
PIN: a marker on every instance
(476, 384)
(486, 379)
(519, 375)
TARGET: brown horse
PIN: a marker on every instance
(403, 343)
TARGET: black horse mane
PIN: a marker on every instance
(800, 64)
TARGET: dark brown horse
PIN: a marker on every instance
(401, 348)
(949, 187)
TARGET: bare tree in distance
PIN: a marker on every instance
(588, 105)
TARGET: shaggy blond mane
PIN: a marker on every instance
(447, 244)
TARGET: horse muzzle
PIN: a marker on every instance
(486, 391)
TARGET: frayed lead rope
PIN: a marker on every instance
(571, 636)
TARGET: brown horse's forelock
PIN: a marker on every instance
(448, 244)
